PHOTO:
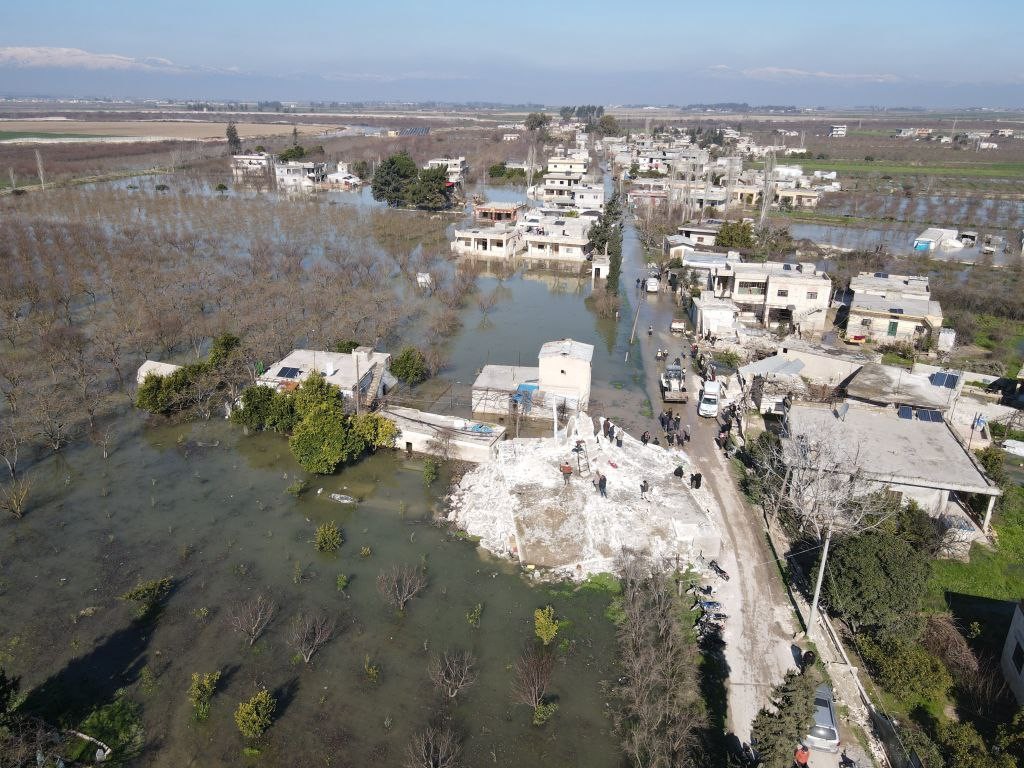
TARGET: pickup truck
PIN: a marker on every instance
(678, 327)
(673, 385)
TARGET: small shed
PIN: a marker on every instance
(437, 434)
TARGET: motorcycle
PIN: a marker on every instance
(708, 605)
(719, 570)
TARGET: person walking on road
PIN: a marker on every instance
(602, 485)
(645, 438)
(644, 488)
(686, 433)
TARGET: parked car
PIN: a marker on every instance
(824, 734)
(653, 285)
(709, 399)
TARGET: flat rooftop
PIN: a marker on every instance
(506, 378)
(908, 451)
(882, 282)
(912, 306)
(465, 430)
(895, 385)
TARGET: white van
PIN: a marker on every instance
(653, 285)
(710, 399)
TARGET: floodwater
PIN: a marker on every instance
(207, 505)
(898, 240)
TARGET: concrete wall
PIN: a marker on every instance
(464, 450)
(879, 327)
(1014, 640)
(566, 377)
(821, 367)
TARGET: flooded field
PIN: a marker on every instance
(206, 505)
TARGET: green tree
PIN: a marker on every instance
(431, 470)
(963, 747)
(430, 190)
(535, 121)
(875, 581)
(545, 625)
(148, 595)
(993, 459)
(315, 391)
(905, 669)
(296, 152)
(254, 412)
(254, 716)
(392, 179)
(234, 143)
(497, 171)
(777, 729)
(410, 366)
(201, 691)
(735, 234)
(361, 168)
(346, 347)
(566, 113)
(1010, 740)
(376, 430)
(328, 537)
(608, 126)
(324, 438)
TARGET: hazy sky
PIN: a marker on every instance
(846, 52)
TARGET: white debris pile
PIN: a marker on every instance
(519, 506)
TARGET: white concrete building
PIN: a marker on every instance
(699, 234)
(774, 293)
(893, 317)
(252, 165)
(559, 189)
(435, 433)
(362, 369)
(1013, 654)
(300, 173)
(716, 317)
(913, 454)
(837, 131)
(563, 375)
(498, 242)
(588, 197)
(553, 238)
(455, 167)
(510, 137)
(573, 163)
(883, 283)
(565, 372)
(935, 237)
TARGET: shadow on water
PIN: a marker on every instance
(94, 678)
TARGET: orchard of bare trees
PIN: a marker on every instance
(97, 280)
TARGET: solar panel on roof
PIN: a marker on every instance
(936, 416)
(951, 380)
(895, 311)
(288, 373)
(905, 412)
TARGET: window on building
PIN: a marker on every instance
(893, 326)
(866, 322)
(784, 292)
(812, 294)
(1018, 658)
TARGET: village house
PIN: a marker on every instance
(923, 386)
(343, 177)
(935, 237)
(911, 454)
(510, 137)
(362, 370)
(552, 238)
(440, 434)
(559, 189)
(893, 317)
(588, 197)
(254, 165)
(712, 316)
(837, 131)
(562, 376)
(571, 163)
(298, 173)
(700, 234)
(501, 241)
(456, 167)
(776, 294)
(498, 212)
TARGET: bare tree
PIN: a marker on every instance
(533, 676)
(433, 747)
(14, 495)
(452, 672)
(309, 633)
(251, 617)
(658, 712)
(824, 488)
(401, 583)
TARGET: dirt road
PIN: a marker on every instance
(761, 626)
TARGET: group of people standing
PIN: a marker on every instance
(671, 424)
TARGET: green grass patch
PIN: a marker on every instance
(995, 574)
(894, 358)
